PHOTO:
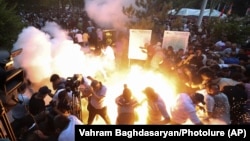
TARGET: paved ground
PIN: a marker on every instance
(247, 118)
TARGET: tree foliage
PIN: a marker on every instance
(10, 25)
(34, 5)
(153, 14)
(235, 29)
(147, 14)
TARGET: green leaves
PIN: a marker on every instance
(147, 14)
(234, 28)
(10, 25)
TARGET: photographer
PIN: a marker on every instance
(70, 85)
(58, 84)
(63, 97)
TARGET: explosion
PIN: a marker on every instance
(50, 50)
(136, 79)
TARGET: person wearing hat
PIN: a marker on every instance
(37, 109)
(97, 101)
(157, 112)
(184, 109)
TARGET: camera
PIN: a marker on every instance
(72, 83)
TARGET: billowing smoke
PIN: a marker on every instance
(46, 51)
(108, 13)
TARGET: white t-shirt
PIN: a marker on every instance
(71, 96)
(184, 110)
(108, 53)
(220, 44)
(20, 109)
(99, 102)
(78, 36)
(68, 134)
(227, 82)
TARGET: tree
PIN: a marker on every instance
(10, 25)
(235, 29)
(152, 14)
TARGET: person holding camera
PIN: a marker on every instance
(68, 86)
(58, 84)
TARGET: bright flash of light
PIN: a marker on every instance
(137, 80)
(50, 51)
(66, 63)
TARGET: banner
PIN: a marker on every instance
(137, 40)
(176, 39)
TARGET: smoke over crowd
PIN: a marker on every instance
(108, 13)
(50, 50)
(47, 51)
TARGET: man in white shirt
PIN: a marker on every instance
(184, 109)
(97, 101)
(79, 38)
(65, 124)
(108, 56)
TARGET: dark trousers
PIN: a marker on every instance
(93, 112)
(126, 119)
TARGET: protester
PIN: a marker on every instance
(126, 107)
(217, 104)
(157, 110)
(184, 109)
(97, 104)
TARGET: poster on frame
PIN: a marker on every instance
(137, 40)
(176, 39)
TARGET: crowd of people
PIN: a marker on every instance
(212, 77)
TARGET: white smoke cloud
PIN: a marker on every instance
(47, 51)
(108, 13)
